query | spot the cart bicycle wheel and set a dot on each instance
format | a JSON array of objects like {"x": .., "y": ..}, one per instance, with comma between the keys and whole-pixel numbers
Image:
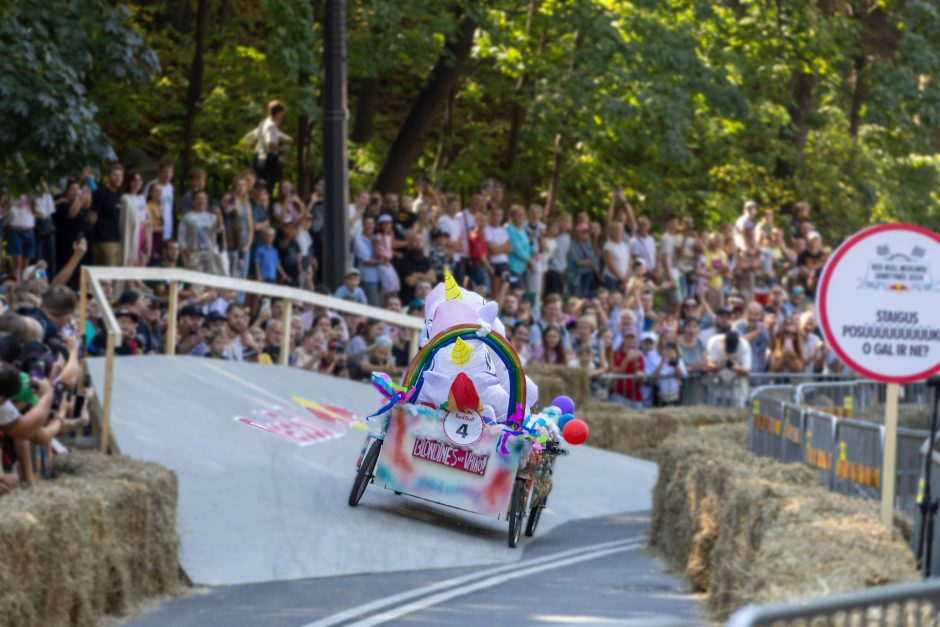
[
  {"x": 535, "y": 513},
  {"x": 516, "y": 512},
  {"x": 364, "y": 476}
]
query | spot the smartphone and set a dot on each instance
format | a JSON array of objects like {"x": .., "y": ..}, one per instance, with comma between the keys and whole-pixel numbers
[
  {"x": 266, "y": 303},
  {"x": 79, "y": 405}
]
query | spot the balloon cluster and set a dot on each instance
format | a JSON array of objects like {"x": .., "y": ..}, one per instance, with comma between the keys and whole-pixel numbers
[{"x": 574, "y": 430}]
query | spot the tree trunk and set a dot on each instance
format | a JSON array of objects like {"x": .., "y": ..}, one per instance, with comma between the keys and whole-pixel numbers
[
  {"x": 194, "y": 93},
  {"x": 558, "y": 147},
  {"x": 517, "y": 114},
  {"x": 802, "y": 95},
  {"x": 859, "y": 93},
  {"x": 367, "y": 100},
  {"x": 555, "y": 183},
  {"x": 407, "y": 146}
]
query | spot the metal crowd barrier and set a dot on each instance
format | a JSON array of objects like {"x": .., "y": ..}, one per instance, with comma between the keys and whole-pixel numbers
[
  {"x": 859, "y": 456},
  {"x": 864, "y": 400},
  {"x": 913, "y": 603},
  {"x": 819, "y": 437},
  {"x": 793, "y": 427},
  {"x": 829, "y": 437}
]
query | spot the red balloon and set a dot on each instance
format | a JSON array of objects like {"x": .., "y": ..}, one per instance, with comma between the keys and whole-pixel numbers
[{"x": 576, "y": 431}]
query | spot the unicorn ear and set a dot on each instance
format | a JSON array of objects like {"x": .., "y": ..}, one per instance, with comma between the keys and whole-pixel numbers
[
  {"x": 488, "y": 312},
  {"x": 451, "y": 290}
]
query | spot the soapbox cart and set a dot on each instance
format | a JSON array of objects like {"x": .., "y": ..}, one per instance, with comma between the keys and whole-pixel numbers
[{"x": 455, "y": 458}]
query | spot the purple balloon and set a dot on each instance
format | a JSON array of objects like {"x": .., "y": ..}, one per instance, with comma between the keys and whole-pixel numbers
[{"x": 564, "y": 403}]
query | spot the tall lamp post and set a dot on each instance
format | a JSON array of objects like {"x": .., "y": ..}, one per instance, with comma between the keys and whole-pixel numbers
[{"x": 335, "y": 160}]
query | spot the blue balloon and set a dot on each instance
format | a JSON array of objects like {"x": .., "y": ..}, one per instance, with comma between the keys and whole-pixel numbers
[
  {"x": 564, "y": 403},
  {"x": 564, "y": 420}
]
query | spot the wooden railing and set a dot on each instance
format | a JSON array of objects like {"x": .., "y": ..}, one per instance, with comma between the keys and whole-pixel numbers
[{"x": 92, "y": 276}]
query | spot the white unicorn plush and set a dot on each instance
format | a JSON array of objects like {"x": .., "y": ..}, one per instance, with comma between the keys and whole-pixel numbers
[{"x": 448, "y": 306}]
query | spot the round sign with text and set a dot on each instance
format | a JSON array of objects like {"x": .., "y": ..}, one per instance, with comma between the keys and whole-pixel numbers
[
  {"x": 878, "y": 303},
  {"x": 463, "y": 427}
]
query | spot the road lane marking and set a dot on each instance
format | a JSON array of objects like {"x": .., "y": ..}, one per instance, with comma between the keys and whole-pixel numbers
[
  {"x": 401, "y": 597},
  {"x": 436, "y": 599}
]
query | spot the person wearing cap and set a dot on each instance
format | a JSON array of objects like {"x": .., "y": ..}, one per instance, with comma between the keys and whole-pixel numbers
[
  {"x": 127, "y": 322},
  {"x": 191, "y": 331},
  {"x": 729, "y": 358},
  {"x": 350, "y": 289},
  {"x": 140, "y": 305},
  {"x": 383, "y": 252},
  {"x": 628, "y": 362},
  {"x": 582, "y": 263}
]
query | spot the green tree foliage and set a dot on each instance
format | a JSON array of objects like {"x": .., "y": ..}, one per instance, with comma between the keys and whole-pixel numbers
[
  {"x": 52, "y": 54},
  {"x": 693, "y": 105}
]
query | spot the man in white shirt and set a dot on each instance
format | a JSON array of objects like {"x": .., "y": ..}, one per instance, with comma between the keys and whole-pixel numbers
[
  {"x": 267, "y": 152},
  {"x": 643, "y": 246},
  {"x": 749, "y": 214},
  {"x": 457, "y": 224},
  {"x": 165, "y": 180},
  {"x": 729, "y": 357}
]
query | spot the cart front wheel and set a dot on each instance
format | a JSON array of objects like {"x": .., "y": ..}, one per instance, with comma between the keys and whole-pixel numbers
[
  {"x": 516, "y": 512},
  {"x": 364, "y": 476},
  {"x": 535, "y": 513}
]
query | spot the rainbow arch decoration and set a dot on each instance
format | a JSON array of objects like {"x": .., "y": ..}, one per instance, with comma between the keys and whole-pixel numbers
[{"x": 501, "y": 347}]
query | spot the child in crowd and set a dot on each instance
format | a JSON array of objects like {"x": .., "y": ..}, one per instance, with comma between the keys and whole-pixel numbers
[
  {"x": 350, "y": 289},
  {"x": 267, "y": 261}
]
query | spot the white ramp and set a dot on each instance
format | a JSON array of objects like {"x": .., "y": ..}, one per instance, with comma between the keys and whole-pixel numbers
[{"x": 255, "y": 507}]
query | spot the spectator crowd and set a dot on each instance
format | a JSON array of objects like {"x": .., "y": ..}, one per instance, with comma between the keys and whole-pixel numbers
[{"x": 657, "y": 310}]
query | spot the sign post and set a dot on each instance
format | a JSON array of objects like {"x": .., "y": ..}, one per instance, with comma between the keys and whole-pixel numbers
[{"x": 877, "y": 306}]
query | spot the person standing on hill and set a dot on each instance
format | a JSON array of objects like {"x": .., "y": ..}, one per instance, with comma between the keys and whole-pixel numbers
[
  {"x": 165, "y": 181},
  {"x": 267, "y": 138},
  {"x": 105, "y": 216}
]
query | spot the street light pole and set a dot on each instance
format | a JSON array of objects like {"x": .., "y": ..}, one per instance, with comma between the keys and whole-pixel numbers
[{"x": 335, "y": 168}]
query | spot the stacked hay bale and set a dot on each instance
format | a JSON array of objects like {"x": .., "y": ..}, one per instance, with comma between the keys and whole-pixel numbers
[
  {"x": 641, "y": 433},
  {"x": 747, "y": 529},
  {"x": 557, "y": 380},
  {"x": 95, "y": 541}
]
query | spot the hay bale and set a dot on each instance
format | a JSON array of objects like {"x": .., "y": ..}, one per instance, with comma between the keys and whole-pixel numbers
[
  {"x": 95, "y": 541},
  {"x": 640, "y": 433},
  {"x": 556, "y": 380},
  {"x": 753, "y": 530}
]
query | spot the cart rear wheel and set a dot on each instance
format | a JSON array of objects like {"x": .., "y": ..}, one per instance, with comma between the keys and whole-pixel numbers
[
  {"x": 535, "y": 513},
  {"x": 516, "y": 512},
  {"x": 364, "y": 476}
]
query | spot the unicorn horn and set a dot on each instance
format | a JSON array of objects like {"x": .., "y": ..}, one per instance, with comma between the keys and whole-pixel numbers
[
  {"x": 461, "y": 353},
  {"x": 451, "y": 289}
]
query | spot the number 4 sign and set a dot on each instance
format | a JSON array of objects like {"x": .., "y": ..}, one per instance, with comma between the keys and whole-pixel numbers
[{"x": 463, "y": 428}]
